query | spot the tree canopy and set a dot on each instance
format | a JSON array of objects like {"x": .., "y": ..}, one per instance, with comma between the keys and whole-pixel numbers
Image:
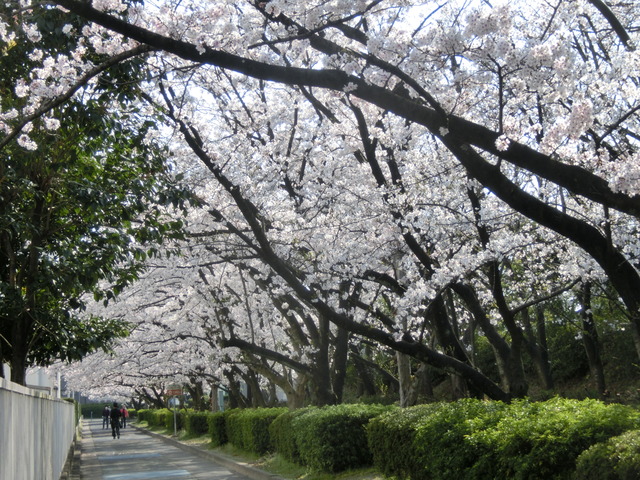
[{"x": 414, "y": 174}]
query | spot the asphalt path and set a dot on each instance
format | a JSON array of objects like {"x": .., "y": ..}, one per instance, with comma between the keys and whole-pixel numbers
[{"x": 137, "y": 455}]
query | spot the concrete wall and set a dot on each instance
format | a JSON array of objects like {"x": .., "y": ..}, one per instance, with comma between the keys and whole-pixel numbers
[{"x": 36, "y": 432}]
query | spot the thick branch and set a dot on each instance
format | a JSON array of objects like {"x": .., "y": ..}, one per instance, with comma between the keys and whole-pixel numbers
[{"x": 573, "y": 178}]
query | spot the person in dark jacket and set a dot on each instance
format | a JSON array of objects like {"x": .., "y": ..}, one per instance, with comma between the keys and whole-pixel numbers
[{"x": 115, "y": 420}]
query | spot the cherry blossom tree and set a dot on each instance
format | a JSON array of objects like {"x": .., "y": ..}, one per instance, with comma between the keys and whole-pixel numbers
[{"x": 406, "y": 172}]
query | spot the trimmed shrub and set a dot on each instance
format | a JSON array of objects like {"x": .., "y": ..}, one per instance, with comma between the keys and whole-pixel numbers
[
  {"x": 391, "y": 439},
  {"x": 217, "y": 428},
  {"x": 158, "y": 418},
  {"x": 196, "y": 423},
  {"x": 616, "y": 459},
  {"x": 282, "y": 436},
  {"x": 180, "y": 419},
  {"x": 143, "y": 415},
  {"x": 543, "y": 440},
  {"x": 334, "y": 438},
  {"x": 248, "y": 429},
  {"x": 441, "y": 449}
]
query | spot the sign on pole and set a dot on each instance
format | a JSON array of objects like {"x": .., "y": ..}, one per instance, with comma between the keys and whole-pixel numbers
[{"x": 173, "y": 390}]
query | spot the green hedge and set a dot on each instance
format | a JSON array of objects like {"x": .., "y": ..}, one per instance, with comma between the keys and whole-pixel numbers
[
  {"x": 248, "y": 429},
  {"x": 392, "y": 437},
  {"x": 473, "y": 439},
  {"x": 282, "y": 436},
  {"x": 334, "y": 438},
  {"x": 429, "y": 441},
  {"x": 158, "y": 417},
  {"x": 467, "y": 439},
  {"x": 143, "y": 414},
  {"x": 543, "y": 440},
  {"x": 216, "y": 423},
  {"x": 616, "y": 459},
  {"x": 196, "y": 423},
  {"x": 442, "y": 449}
]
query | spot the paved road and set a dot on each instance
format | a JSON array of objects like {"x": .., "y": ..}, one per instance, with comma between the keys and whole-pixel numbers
[{"x": 137, "y": 456}]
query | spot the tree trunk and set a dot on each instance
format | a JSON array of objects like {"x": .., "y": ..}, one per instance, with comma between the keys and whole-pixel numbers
[
  {"x": 404, "y": 378},
  {"x": 366, "y": 384},
  {"x": 19, "y": 350},
  {"x": 322, "y": 393},
  {"x": 537, "y": 347},
  {"x": 635, "y": 332},
  {"x": 545, "y": 364},
  {"x": 421, "y": 385},
  {"x": 518, "y": 385},
  {"x": 340, "y": 357},
  {"x": 590, "y": 340},
  {"x": 236, "y": 399},
  {"x": 214, "y": 400},
  {"x": 508, "y": 361},
  {"x": 297, "y": 396},
  {"x": 446, "y": 335}
]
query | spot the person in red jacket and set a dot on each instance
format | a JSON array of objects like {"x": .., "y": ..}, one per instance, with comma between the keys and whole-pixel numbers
[{"x": 124, "y": 416}]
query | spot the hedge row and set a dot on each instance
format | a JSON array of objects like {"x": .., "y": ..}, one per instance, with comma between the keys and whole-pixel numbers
[
  {"x": 471, "y": 439},
  {"x": 248, "y": 429},
  {"x": 163, "y": 417}
]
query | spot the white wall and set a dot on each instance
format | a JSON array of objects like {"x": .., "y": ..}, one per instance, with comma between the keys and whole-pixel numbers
[
  {"x": 36, "y": 432},
  {"x": 38, "y": 378}
]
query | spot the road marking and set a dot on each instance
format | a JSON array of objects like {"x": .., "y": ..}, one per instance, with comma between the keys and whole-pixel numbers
[
  {"x": 145, "y": 475},
  {"x": 129, "y": 456}
]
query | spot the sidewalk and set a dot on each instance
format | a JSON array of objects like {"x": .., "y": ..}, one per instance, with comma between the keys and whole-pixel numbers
[{"x": 139, "y": 454}]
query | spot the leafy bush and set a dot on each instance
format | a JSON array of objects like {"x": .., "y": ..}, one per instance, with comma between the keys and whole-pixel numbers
[
  {"x": 616, "y": 459},
  {"x": 282, "y": 435},
  {"x": 196, "y": 423},
  {"x": 441, "y": 449},
  {"x": 248, "y": 429},
  {"x": 543, "y": 440},
  {"x": 158, "y": 417},
  {"x": 180, "y": 419},
  {"x": 143, "y": 415},
  {"x": 334, "y": 438},
  {"x": 391, "y": 439},
  {"x": 217, "y": 428}
]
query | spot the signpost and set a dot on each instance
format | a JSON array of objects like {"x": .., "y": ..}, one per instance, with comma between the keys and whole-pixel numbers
[{"x": 174, "y": 391}]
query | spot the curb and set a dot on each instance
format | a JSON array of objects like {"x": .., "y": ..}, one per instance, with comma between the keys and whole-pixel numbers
[{"x": 236, "y": 466}]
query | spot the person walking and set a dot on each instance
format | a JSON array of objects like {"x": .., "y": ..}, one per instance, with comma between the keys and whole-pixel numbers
[
  {"x": 115, "y": 420},
  {"x": 106, "y": 415},
  {"x": 125, "y": 416}
]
